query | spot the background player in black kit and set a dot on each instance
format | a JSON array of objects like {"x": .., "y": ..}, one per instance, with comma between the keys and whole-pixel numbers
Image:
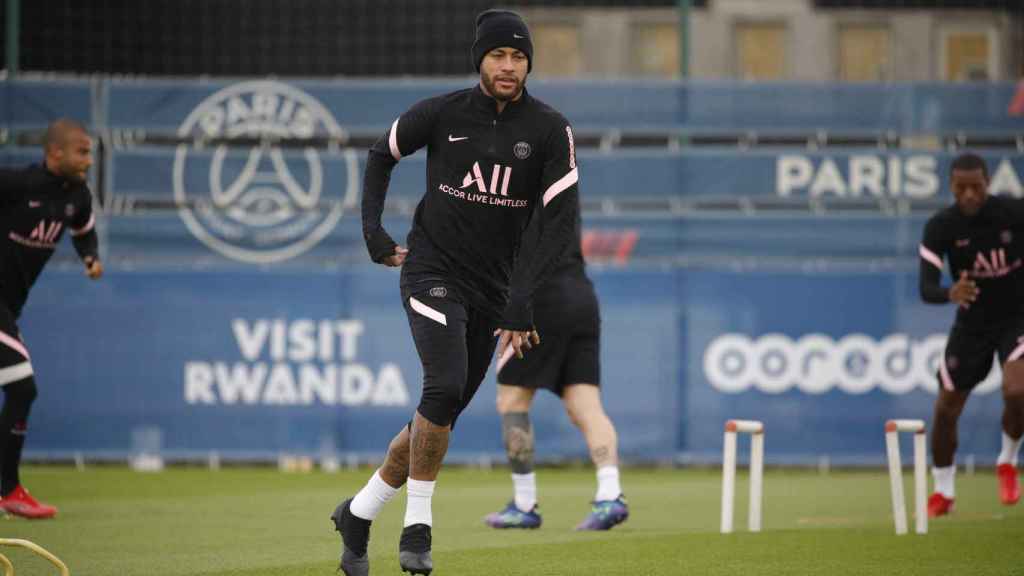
[
  {"x": 568, "y": 364},
  {"x": 982, "y": 238},
  {"x": 39, "y": 203},
  {"x": 495, "y": 154}
]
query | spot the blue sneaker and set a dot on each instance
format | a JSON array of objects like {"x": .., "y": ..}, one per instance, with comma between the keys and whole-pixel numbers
[
  {"x": 512, "y": 517},
  {"x": 605, "y": 514}
]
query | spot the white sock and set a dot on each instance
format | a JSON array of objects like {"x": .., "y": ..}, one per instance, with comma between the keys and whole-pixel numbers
[
  {"x": 417, "y": 507},
  {"x": 608, "y": 487},
  {"x": 1008, "y": 455},
  {"x": 525, "y": 490},
  {"x": 944, "y": 478},
  {"x": 369, "y": 501}
]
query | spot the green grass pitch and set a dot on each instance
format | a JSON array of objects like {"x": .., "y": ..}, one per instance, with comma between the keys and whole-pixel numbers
[{"x": 260, "y": 522}]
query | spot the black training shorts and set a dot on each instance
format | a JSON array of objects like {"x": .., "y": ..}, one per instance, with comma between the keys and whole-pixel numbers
[
  {"x": 969, "y": 351},
  {"x": 568, "y": 319},
  {"x": 455, "y": 342}
]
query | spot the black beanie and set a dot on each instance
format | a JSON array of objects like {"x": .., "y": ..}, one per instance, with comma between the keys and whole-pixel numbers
[{"x": 496, "y": 28}]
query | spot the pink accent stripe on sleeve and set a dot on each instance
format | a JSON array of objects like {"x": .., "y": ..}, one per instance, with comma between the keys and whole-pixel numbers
[
  {"x": 1017, "y": 353},
  {"x": 563, "y": 183},
  {"x": 14, "y": 343},
  {"x": 393, "y": 141},
  {"x": 930, "y": 256},
  {"x": 84, "y": 229}
]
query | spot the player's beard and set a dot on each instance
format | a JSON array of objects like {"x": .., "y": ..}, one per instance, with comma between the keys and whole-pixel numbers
[
  {"x": 490, "y": 82},
  {"x": 74, "y": 174}
]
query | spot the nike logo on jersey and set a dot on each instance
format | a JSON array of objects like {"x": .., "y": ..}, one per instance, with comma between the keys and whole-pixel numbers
[
  {"x": 454, "y": 139},
  {"x": 962, "y": 243},
  {"x": 34, "y": 204}
]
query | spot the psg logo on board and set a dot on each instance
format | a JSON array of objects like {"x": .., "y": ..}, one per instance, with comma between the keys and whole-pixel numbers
[{"x": 254, "y": 200}]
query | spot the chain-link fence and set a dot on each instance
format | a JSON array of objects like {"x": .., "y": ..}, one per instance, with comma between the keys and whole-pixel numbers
[{"x": 261, "y": 37}]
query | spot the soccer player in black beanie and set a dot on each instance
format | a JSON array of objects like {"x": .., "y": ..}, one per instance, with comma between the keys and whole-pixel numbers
[
  {"x": 496, "y": 28},
  {"x": 496, "y": 157}
]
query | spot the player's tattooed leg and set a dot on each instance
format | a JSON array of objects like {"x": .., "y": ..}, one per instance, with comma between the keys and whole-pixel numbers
[
  {"x": 395, "y": 468},
  {"x": 518, "y": 436},
  {"x": 428, "y": 445},
  {"x": 602, "y": 456}
]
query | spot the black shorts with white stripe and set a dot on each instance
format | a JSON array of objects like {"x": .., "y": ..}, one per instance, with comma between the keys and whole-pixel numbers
[
  {"x": 969, "y": 351},
  {"x": 15, "y": 363},
  {"x": 455, "y": 342}
]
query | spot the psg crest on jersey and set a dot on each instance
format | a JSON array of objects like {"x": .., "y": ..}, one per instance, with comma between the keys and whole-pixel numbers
[
  {"x": 521, "y": 150},
  {"x": 247, "y": 196},
  {"x": 1006, "y": 236}
]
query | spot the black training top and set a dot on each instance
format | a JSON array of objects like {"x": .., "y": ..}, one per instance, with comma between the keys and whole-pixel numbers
[
  {"x": 37, "y": 206},
  {"x": 989, "y": 246},
  {"x": 486, "y": 174}
]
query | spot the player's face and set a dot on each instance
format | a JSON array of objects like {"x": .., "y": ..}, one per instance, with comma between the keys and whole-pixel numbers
[
  {"x": 75, "y": 157},
  {"x": 503, "y": 73},
  {"x": 970, "y": 188}
]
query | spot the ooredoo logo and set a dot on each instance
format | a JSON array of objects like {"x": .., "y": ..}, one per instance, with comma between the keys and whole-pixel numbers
[
  {"x": 260, "y": 203},
  {"x": 815, "y": 364}
]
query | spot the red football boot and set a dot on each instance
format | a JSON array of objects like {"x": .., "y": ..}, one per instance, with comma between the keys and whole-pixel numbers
[
  {"x": 20, "y": 503},
  {"x": 939, "y": 505},
  {"x": 1009, "y": 488}
]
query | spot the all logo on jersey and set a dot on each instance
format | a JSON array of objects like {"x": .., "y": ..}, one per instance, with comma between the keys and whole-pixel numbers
[
  {"x": 993, "y": 264},
  {"x": 46, "y": 232},
  {"x": 259, "y": 202},
  {"x": 476, "y": 176},
  {"x": 522, "y": 150},
  {"x": 486, "y": 187}
]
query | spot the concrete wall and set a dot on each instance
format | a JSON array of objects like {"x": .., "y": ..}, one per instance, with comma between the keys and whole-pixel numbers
[{"x": 812, "y": 38}]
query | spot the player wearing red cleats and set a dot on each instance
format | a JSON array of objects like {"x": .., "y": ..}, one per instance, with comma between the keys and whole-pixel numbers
[
  {"x": 939, "y": 505},
  {"x": 1009, "y": 488},
  {"x": 20, "y": 503}
]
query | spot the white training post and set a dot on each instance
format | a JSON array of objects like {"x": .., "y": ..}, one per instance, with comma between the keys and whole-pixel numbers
[
  {"x": 728, "y": 479},
  {"x": 920, "y": 481},
  {"x": 756, "y": 430},
  {"x": 756, "y": 476},
  {"x": 892, "y": 446}
]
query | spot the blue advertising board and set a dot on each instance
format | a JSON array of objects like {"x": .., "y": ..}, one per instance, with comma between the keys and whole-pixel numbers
[{"x": 262, "y": 362}]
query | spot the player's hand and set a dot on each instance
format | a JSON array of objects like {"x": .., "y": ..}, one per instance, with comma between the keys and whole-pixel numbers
[
  {"x": 519, "y": 340},
  {"x": 965, "y": 291},
  {"x": 93, "y": 267},
  {"x": 398, "y": 258}
]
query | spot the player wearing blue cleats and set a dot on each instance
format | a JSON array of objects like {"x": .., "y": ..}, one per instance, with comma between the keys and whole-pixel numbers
[
  {"x": 512, "y": 517},
  {"x": 605, "y": 514}
]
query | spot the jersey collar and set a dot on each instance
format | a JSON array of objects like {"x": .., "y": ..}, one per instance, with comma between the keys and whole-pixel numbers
[
  {"x": 487, "y": 103},
  {"x": 54, "y": 178}
]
